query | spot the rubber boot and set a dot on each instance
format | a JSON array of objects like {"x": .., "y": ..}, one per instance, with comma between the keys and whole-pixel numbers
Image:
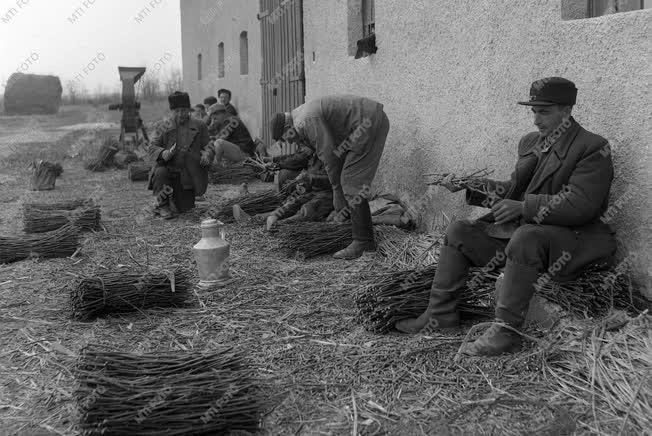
[
  {"x": 362, "y": 230},
  {"x": 442, "y": 313},
  {"x": 512, "y": 301}
]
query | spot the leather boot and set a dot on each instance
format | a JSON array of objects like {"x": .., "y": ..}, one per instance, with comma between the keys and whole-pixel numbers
[
  {"x": 512, "y": 301},
  {"x": 362, "y": 231},
  {"x": 442, "y": 313}
]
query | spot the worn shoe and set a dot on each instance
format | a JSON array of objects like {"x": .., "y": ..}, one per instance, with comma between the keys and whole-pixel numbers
[
  {"x": 355, "y": 250},
  {"x": 166, "y": 213},
  {"x": 427, "y": 323},
  {"x": 495, "y": 341}
]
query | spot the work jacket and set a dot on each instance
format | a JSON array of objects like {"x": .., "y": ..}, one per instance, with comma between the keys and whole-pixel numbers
[{"x": 189, "y": 151}]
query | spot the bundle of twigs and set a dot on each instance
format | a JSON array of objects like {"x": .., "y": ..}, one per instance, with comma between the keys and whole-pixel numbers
[
  {"x": 389, "y": 296},
  {"x": 123, "y": 291},
  {"x": 61, "y": 205},
  {"x": 264, "y": 172},
  {"x": 139, "y": 172},
  {"x": 605, "y": 370},
  {"x": 253, "y": 203},
  {"x": 58, "y": 243},
  {"x": 165, "y": 393},
  {"x": 474, "y": 181},
  {"x": 40, "y": 221},
  {"x": 594, "y": 293},
  {"x": 104, "y": 157},
  {"x": 232, "y": 174},
  {"x": 44, "y": 175},
  {"x": 309, "y": 239},
  {"x": 405, "y": 250}
]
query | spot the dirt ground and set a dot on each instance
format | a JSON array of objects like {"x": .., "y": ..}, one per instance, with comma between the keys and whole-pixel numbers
[{"x": 320, "y": 371}]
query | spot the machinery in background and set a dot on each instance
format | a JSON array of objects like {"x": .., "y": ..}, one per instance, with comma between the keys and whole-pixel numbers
[{"x": 131, "y": 124}]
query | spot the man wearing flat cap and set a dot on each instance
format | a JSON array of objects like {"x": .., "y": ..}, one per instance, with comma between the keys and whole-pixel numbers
[
  {"x": 544, "y": 220},
  {"x": 181, "y": 154},
  {"x": 348, "y": 135}
]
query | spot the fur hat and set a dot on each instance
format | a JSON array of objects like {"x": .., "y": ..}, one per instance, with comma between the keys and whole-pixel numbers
[{"x": 179, "y": 100}]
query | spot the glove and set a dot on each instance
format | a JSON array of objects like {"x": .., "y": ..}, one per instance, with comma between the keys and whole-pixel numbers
[{"x": 339, "y": 201}]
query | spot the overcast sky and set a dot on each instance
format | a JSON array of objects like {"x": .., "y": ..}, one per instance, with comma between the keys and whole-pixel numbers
[{"x": 86, "y": 40}]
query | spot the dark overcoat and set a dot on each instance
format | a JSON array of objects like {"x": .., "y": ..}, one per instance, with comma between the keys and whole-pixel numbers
[
  {"x": 188, "y": 154},
  {"x": 567, "y": 190}
]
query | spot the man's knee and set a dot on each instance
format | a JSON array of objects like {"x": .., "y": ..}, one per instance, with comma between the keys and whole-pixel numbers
[
  {"x": 459, "y": 232},
  {"x": 160, "y": 176},
  {"x": 528, "y": 245}
]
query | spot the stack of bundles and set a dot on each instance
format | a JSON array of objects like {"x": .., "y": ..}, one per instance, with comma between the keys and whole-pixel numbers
[
  {"x": 38, "y": 221},
  {"x": 389, "y": 296},
  {"x": 397, "y": 295},
  {"x": 139, "y": 172},
  {"x": 122, "y": 291},
  {"x": 27, "y": 94},
  {"x": 61, "y": 205},
  {"x": 604, "y": 370},
  {"x": 104, "y": 157},
  {"x": 44, "y": 174},
  {"x": 232, "y": 174},
  {"x": 165, "y": 393},
  {"x": 62, "y": 242}
]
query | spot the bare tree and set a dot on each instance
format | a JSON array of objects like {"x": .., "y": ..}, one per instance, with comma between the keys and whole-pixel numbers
[
  {"x": 150, "y": 85},
  {"x": 72, "y": 91},
  {"x": 173, "y": 81}
]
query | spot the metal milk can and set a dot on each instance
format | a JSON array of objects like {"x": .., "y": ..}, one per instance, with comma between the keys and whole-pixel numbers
[{"x": 212, "y": 254}]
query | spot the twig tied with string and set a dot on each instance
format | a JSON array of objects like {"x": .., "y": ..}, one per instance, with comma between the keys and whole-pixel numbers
[
  {"x": 171, "y": 393},
  {"x": 128, "y": 291},
  {"x": 62, "y": 242},
  {"x": 475, "y": 181}
]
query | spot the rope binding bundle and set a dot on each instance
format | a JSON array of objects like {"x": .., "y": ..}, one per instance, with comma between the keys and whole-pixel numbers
[
  {"x": 171, "y": 392},
  {"x": 126, "y": 291},
  {"x": 62, "y": 242}
]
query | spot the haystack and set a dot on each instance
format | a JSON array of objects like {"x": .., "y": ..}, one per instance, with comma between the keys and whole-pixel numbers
[{"x": 32, "y": 94}]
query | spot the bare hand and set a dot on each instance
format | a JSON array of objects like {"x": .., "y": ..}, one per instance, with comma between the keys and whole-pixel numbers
[
  {"x": 167, "y": 154},
  {"x": 268, "y": 159},
  {"x": 448, "y": 183},
  {"x": 271, "y": 222},
  {"x": 204, "y": 161},
  {"x": 507, "y": 210}
]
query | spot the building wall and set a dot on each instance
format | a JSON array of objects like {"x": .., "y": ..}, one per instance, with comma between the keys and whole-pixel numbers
[
  {"x": 449, "y": 73},
  {"x": 206, "y": 23}
]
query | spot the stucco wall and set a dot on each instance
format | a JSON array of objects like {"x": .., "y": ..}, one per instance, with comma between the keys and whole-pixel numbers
[
  {"x": 449, "y": 73},
  {"x": 206, "y": 23}
]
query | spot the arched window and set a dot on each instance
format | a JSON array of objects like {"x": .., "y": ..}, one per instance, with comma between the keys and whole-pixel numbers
[
  {"x": 199, "y": 66},
  {"x": 220, "y": 59},
  {"x": 244, "y": 53}
]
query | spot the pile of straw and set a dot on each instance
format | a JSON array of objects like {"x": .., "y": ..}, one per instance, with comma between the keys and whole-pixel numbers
[
  {"x": 44, "y": 175},
  {"x": 124, "y": 291},
  {"x": 606, "y": 371},
  {"x": 62, "y": 242},
  {"x": 39, "y": 221},
  {"x": 165, "y": 393},
  {"x": 389, "y": 296}
]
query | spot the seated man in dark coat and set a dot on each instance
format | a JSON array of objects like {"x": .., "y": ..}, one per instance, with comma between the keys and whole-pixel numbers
[
  {"x": 232, "y": 140},
  {"x": 181, "y": 153},
  {"x": 546, "y": 218}
]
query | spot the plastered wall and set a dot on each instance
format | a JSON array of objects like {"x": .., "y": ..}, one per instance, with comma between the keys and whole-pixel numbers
[
  {"x": 449, "y": 73},
  {"x": 206, "y": 23}
]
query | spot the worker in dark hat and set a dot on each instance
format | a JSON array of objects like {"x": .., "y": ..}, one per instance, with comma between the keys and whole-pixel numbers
[
  {"x": 224, "y": 96},
  {"x": 231, "y": 138},
  {"x": 348, "y": 135},
  {"x": 544, "y": 220},
  {"x": 181, "y": 152}
]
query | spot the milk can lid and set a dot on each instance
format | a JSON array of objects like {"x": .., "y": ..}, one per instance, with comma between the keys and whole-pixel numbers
[{"x": 209, "y": 223}]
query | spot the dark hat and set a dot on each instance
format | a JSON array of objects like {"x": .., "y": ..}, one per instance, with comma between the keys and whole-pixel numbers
[
  {"x": 179, "y": 100},
  {"x": 278, "y": 126},
  {"x": 550, "y": 91},
  {"x": 200, "y": 107},
  {"x": 224, "y": 91},
  {"x": 210, "y": 100}
]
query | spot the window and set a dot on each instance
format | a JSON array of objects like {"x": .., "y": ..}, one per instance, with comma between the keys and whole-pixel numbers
[
  {"x": 244, "y": 53},
  {"x": 199, "y": 66},
  {"x": 577, "y": 9},
  {"x": 368, "y": 17},
  {"x": 220, "y": 59}
]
